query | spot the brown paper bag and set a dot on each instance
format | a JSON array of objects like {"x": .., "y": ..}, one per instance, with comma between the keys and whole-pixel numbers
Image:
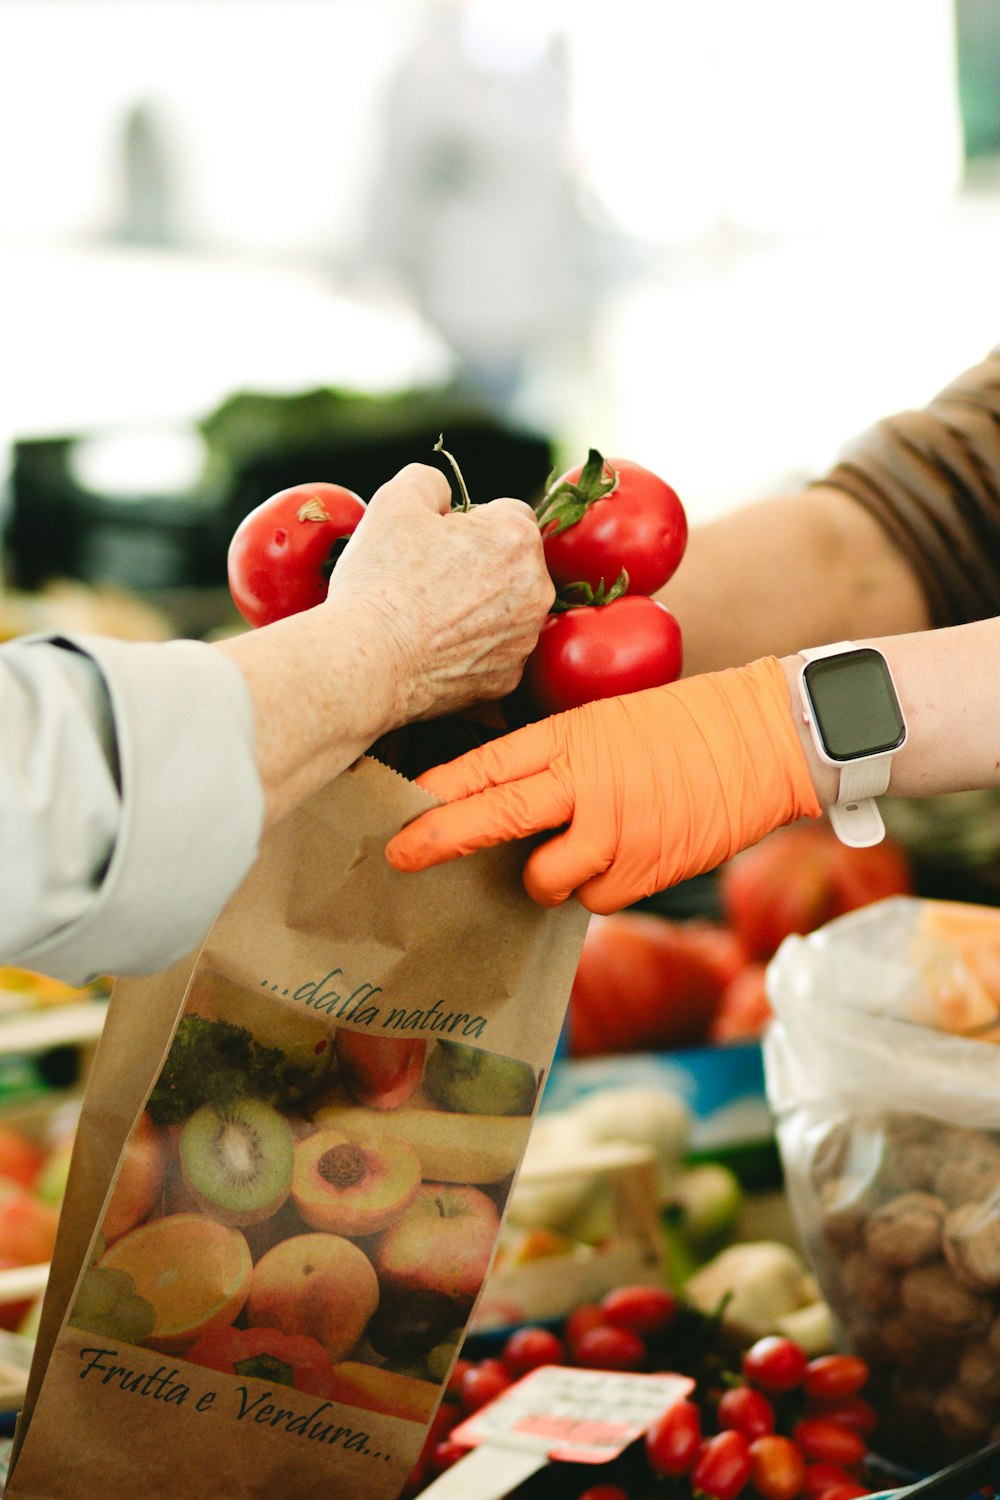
[{"x": 291, "y": 1166}]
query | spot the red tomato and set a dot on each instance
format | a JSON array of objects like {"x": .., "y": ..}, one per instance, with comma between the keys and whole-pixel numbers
[
  {"x": 603, "y": 1492},
  {"x": 581, "y": 1320},
  {"x": 610, "y": 514},
  {"x": 822, "y": 1477},
  {"x": 778, "y": 1467},
  {"x": 775, "y": 1364},
  {"x": 832, "y": 1377},
  {"x": 458, "y": 1369},
  {"x": 643, "y": 1309},
  {"x": 746, "y": 1410},
  {"x": 851, "y": 1490},
  {"x": 483, "y": 1383},
  {"x": 852, "y": 1411},
  {"x": 599, "y": 651},
  {"x": 673, "y": 1441},
  {"x": 830, "y": 1442},
  {"x": 610, "y": 1349},
  {"x": 282, "y": 554},
  {"x": 644, "y": 982},
  {"x": 723, "y": 1466},
  {"x": 529, "y": 1348},
  {"x": 798, "y": 878}
]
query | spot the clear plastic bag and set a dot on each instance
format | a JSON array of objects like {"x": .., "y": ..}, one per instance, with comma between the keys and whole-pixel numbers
[{"x": 883, "y": 1076}]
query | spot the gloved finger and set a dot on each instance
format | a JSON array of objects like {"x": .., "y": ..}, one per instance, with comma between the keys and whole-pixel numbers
[
  {"x": 557, "y": 868},
  {"x": 522, "y": 753},
  {"x": 477, "y": 822},
  {"x": 611, "y": 890}
]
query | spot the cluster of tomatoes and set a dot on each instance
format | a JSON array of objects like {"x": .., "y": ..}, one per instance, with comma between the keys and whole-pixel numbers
[
  {"x": 613, "y": 534},
  {"x": 771, "y": 1425}
]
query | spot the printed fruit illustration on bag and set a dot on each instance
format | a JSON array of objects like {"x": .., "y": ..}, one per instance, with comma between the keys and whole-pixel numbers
[{"x": 309, "y": 1204}]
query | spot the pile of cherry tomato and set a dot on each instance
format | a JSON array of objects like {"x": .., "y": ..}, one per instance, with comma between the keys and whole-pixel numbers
[{"x": 771, "y": 1424}]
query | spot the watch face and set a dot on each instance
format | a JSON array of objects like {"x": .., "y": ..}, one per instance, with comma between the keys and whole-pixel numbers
[{"x": 854, "y": 704}]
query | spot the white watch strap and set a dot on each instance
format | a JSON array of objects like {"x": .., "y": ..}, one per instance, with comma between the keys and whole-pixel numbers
[{"x": 855, "y": 817}]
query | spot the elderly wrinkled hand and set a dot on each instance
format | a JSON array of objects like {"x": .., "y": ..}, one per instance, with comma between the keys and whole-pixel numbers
[{"x": 460, "y": 596}]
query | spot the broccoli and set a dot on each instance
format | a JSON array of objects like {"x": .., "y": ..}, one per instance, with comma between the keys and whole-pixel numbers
[{"x": 217, "y": 1062}]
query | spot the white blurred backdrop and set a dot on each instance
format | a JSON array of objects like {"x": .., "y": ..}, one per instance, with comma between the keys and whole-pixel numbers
[{"x": 717, "y": 237}]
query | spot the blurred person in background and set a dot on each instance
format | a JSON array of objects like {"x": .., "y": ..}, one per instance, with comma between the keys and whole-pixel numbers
[
  {"x": 898, "y": 547},
  {"x": 136, "y": 779},
  {"x": 475, "y": 208}
]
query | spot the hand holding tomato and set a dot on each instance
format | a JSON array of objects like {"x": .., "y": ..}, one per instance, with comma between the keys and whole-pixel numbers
[
  {"x": 446, "y": 605},
  {"x": 456, "y": 597}
]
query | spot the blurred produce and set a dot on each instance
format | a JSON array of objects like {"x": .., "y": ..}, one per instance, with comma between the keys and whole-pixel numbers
[
  {"x": 35, "y": 1148},
  {"x": 70, "y": 606},
  {"x": 758, "y": 1285},
  {"x": 23, "y": 989},
  {"x": 801, "y": 877},
  {"x": 645, "y": 981},
  {"x": 649, "y": 981}
]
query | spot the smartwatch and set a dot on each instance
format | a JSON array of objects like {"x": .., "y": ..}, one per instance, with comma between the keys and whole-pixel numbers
[{"x": 850, "y": 703}]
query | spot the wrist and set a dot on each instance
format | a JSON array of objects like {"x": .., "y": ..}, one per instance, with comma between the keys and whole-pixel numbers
[{"x": 825, "y": 778}]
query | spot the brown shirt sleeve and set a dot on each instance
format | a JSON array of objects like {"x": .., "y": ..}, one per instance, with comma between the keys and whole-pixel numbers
[{"x": 932, "y": 478}]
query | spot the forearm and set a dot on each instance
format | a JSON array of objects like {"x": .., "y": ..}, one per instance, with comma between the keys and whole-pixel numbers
[
  {"x": 322, "y": 690},
  {"x": 946, "y": 681},
  {"x": 796, "y": 570}
]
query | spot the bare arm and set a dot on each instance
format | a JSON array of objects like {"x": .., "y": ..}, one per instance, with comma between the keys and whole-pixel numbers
[
  {"x": 903, "y": 533},
  {"x": 946, "y": 680},
  {"x": 796, "y": 570}
]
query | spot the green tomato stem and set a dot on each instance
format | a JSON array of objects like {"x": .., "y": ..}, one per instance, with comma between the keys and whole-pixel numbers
[{"x": 440, "y": 448}]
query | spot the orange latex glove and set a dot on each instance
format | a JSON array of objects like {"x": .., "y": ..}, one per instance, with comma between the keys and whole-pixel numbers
[{"x": 646, "y": 789}]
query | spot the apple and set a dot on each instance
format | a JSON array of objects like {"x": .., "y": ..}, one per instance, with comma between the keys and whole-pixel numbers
[
  {"x": 442, "y": 1243},
  {"x": 473, "y": 1082}
]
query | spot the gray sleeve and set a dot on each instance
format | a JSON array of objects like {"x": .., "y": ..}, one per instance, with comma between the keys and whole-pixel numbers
[{"x": 130, "y": 803}]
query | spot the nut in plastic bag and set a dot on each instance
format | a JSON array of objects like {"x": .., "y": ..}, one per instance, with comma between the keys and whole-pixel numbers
[{"x": 884, "y": 1079}]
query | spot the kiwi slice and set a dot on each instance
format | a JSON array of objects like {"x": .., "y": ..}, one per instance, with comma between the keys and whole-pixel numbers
[{"x": 237, "y": 1160}]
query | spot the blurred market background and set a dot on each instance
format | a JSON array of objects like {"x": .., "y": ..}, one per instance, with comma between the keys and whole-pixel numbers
[{"x": 249, "y": 242}]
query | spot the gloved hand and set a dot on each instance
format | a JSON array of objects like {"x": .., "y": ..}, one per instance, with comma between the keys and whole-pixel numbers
[{"x": 646, "y": 789}]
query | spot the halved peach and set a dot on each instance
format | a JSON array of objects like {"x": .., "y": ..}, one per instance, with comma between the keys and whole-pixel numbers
[{"x": 352, "y": 1187}]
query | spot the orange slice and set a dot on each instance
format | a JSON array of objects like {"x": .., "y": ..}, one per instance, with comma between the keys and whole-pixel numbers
[{"x": 194, "y": 1271}]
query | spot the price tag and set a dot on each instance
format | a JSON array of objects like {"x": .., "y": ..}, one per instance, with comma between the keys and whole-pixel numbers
[{"x": 557, "y": 1414}]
